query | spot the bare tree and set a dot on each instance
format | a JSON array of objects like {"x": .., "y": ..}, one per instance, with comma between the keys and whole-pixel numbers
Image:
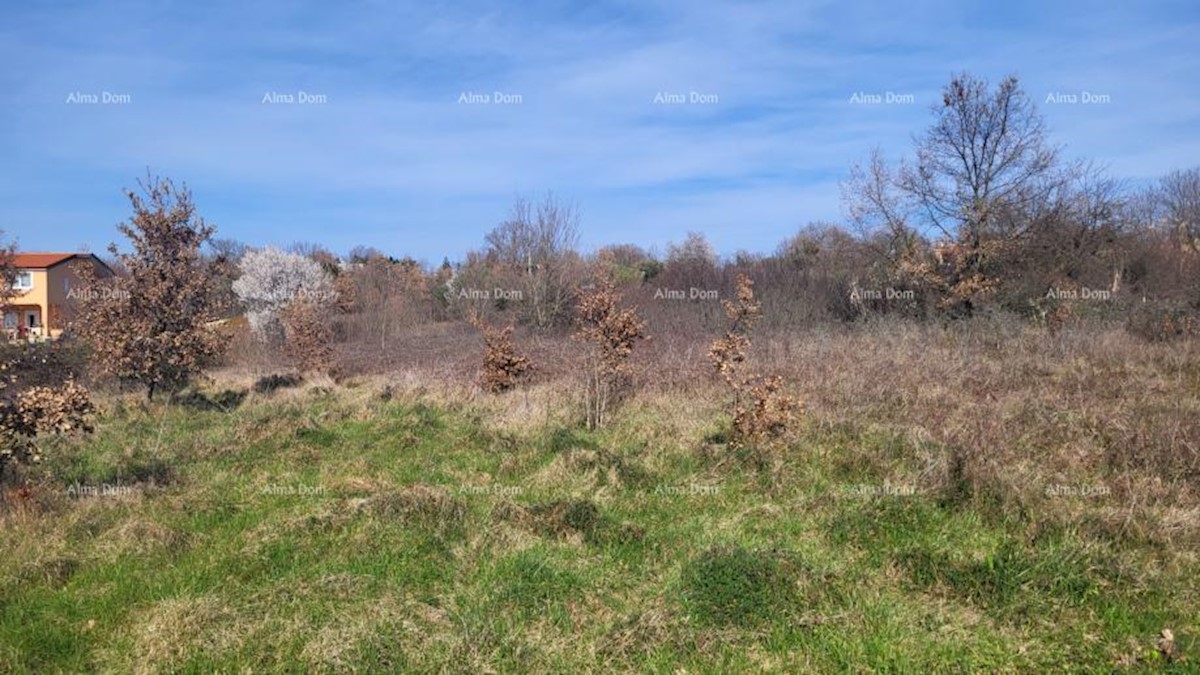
[
  {"x": 986, "y": 151},
  {"x": 879, "y": 211},
  {"x": 1179, "y": 193},
  {"x": 223, "y": 256},
  {"x": 695, "y": 249},
  {"x": 981, "y": 174},
  {"x": 540, "y": 241},
  {"x": 387, "y": 295}
]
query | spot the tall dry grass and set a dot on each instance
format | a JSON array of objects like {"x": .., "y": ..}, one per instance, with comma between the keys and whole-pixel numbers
[{"x": 1001, "y": 409}]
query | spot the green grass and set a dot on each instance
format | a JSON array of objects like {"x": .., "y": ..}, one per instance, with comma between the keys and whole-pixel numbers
[{"x": 330, "y": 535}]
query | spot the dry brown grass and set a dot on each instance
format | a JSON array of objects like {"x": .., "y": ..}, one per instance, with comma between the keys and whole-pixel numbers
[{"x": 1017, "y": 408}]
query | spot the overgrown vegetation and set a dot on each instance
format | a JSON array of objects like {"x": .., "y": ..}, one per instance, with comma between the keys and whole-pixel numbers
[
  {"x": 342, "y": 532},
  {"x": 504, "y": 367},
  {"x": 609, "y": 334},
  {"x": 307, "y": 337},
  {"x": 997, "y": 469},
  {"x": 760, "y": 409}
]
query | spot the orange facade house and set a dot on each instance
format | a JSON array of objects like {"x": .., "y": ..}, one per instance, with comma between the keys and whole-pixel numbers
[{"x": 44, "y": 290}]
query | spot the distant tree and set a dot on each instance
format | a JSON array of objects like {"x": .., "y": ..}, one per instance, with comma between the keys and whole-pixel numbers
[
  {"x": 386, "y": 291},
  {"x": 1160, "y": 255},
  {"x": 539, "y": 242},
  {"x": 271, "y": 279},
  {"x": 154, "y": 325},
  {"x": 818, "y": 245},
  {"x": 625, "y": 263},
  {"x": 361, "y": 254},
  {"x": 1075, "y": 236},
  {"x": 979, "y": 174},
  {"x": 880, "y": 211},
  {"x": 222, "y": 257},
  {"x": 693, "y": 250},
  {"x": 323, "y": 256},
  {"x": 1179, "y": 193},
  {"x": 230, "y": 250},
  {"x": 692, "y": 263}
]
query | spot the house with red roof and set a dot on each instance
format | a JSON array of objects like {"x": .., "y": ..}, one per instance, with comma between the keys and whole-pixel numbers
[{"x": 45, "y": 289}]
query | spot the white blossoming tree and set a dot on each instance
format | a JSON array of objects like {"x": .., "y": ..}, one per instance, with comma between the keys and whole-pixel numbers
[{"x": 271, "y": 280}]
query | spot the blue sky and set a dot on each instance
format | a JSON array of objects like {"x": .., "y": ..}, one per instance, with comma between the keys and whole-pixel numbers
[{"x": 391, "y": 157}]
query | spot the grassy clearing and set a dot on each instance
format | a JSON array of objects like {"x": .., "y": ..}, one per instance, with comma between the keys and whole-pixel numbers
[{"x": 330, "y": 531}]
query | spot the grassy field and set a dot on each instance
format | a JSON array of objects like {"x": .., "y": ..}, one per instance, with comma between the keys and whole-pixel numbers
[{"x": 362, "y": 528}]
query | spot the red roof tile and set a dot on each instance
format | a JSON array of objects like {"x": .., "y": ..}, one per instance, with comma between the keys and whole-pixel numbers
[{"x": 42, "y": 260}]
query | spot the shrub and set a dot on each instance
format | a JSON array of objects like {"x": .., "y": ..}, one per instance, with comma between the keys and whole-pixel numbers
[
  {"x": 760, "y": 408},
  {"x": 610, "y": 334},
  {"x": 26, "y": 414},
  {"x": 503, "y": 365},
  {"x": 765, "y": 411},
  {"x": 45, "y": 364},
  {"x": 1163, "y": 324},
  {"x": 308, "y": 338},
  {"x": 269, "y": 383}
]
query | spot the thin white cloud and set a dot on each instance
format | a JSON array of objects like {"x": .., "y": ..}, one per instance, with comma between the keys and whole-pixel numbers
[{"x": 392, "y": 143}]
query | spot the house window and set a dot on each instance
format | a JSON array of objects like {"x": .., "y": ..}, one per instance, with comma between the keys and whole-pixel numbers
[
  {"x": 23, "y": 281},
  {"x": 10, "y": 320}
]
